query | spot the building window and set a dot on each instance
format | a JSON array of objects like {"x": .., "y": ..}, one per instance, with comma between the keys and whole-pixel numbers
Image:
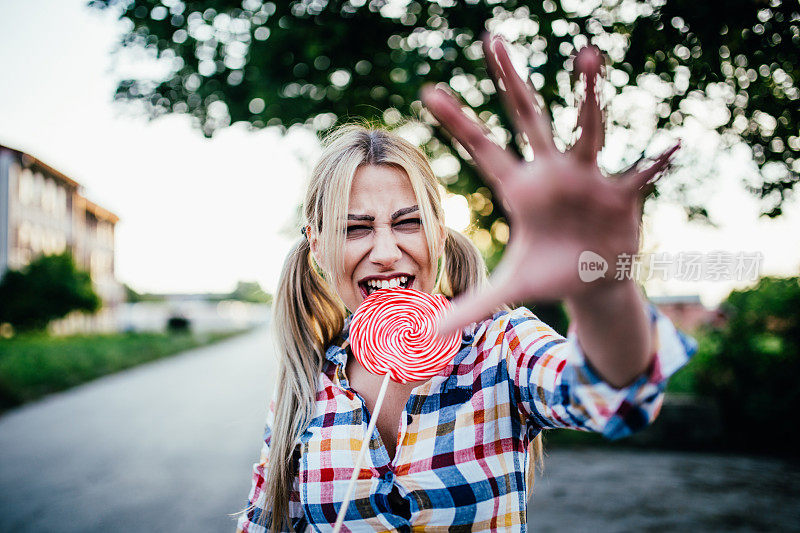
[
  {"x": 61, "y": 202},
  {"x": 24, "y": 235},
  {"x": 54, "y": 242},
  {"x": 91, "y": 223},
  {"x": 105, "y": 234},
  {"x": 25, "y": 190},
  {"x": 38, "y": 189},
  {"x": 36, "y": 239},
  {"x": 49, "y": 196}
]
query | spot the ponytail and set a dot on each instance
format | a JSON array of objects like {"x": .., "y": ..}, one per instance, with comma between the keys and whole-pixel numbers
[
  {"x": 307, "y": 317},
  {"x": 464, "y": 267}
]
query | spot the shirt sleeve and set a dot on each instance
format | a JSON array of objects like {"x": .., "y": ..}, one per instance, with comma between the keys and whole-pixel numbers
[
  {"x": 254, "y": 518},
  {"x": 557, "y": 387}
]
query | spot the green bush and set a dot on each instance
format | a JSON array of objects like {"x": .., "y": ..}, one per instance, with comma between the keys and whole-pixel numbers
[
  {"x": 48, "y": 288},
  {"x": 751, "y": 367}
]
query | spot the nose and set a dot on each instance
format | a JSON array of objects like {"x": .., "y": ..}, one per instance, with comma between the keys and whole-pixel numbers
[{"x": 385, "y": 251}]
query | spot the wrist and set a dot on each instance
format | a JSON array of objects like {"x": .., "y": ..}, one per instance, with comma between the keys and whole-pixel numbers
[
  {"x": 604, "y": 294},
  {"x": 614, "y": 331}
]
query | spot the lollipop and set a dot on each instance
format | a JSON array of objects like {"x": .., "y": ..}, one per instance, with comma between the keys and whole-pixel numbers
[{"x": 393, "y": 333}]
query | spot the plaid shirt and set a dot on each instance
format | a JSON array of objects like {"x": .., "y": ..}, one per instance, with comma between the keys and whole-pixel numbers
[{"x": 462, "y": 454}]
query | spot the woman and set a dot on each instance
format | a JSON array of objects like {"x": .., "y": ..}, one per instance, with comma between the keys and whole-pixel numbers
[{"x": 455, "y": 451}]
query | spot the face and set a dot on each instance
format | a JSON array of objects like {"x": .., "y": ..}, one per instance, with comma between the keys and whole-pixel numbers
[{"x": 385, "y": 242}]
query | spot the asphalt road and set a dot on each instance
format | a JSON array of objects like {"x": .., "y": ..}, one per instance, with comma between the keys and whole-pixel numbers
[
  {"x": 169, "y": 446},
  {"x": 652, "y": 491}
]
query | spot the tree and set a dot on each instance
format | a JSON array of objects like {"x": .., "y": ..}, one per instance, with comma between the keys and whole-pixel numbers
[
  {"x": 317, "y": 62},
  {"x": 132, "y": 297},
  {"x": 751, "y": 366},
  {"x": 250, "y": 291},
  {"x": 743, "y": 50},
  {"x": 47, "y": 288}
]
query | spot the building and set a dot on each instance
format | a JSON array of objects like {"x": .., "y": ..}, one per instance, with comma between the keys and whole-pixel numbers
[
  {"x": 687, "y": 312},
  {"x": 42, "y": 211}
]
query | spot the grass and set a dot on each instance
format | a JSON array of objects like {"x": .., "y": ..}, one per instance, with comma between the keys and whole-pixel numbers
[{"x": 34, "y": 365}]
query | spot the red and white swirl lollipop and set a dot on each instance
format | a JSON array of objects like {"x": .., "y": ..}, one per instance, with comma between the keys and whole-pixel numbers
[{"x": 394, "y": 332}]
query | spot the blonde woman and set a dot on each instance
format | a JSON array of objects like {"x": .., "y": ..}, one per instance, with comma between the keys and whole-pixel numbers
[{"x": 456, "y": 451}]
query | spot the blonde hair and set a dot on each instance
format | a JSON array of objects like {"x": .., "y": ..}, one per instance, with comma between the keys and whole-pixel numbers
[{"x": 309, "y": 314}]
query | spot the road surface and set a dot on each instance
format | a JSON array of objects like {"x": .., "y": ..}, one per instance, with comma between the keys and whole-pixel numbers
[{"x": 169, "y": 446}]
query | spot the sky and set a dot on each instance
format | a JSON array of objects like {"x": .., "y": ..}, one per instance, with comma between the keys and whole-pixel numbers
[{"x": 197, "y": 214}]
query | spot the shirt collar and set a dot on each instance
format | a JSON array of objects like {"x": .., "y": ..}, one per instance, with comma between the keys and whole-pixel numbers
[{"x": 335, "y": 353}]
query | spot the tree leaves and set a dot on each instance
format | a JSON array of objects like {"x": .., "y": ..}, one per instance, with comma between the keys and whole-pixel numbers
[
  {"x": 47, "y": 288},
  {"x": 320, "y": 62}
]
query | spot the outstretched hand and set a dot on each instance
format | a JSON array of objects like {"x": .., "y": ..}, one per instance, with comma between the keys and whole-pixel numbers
[{"x": 559, "y": 204}]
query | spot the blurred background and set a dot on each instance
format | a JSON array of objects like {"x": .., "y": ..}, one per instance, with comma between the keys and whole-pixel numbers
[{"x": 153, "y": 156}]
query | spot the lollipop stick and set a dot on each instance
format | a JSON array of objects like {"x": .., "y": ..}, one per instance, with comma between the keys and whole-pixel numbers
[{"x": 364, "y": 445}]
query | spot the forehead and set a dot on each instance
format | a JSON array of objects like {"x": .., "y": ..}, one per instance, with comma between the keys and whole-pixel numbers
[{"x": 380, "y": 188}]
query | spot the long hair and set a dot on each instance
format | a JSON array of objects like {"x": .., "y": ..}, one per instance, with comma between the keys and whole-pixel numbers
[{"x": 308, "y": 313}]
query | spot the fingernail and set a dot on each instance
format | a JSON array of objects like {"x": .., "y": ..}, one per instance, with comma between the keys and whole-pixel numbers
[
  {"x": 430, "y": 92},
  {"x": 673, "y": 152},
  {"x": 498, "y": 40}
]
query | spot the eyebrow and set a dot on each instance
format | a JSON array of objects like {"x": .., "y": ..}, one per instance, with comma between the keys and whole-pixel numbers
[{"x": 396, "y": 214}]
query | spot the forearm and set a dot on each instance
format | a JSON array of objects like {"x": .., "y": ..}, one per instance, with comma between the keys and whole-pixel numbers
[{"x": 614, "y": 331}]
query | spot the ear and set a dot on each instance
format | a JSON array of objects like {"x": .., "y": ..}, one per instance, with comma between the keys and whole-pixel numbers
[{"x": 313, "y": 243}]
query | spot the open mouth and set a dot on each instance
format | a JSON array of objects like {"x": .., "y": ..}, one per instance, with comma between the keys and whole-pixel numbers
[{"x": 370, "y": 286}]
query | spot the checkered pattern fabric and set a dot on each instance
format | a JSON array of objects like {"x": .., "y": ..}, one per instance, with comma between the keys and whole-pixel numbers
[{"x": 462, "y": 454}]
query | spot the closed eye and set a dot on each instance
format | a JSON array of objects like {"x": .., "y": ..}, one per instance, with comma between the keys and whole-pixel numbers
[
  {"x": 409, "y": 224},
  {"x": 357, "y": 231}
]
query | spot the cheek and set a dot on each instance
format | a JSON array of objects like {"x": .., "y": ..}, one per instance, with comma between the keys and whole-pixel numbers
[
  {"x": 419, "y": 249},
  {"x": 352, "y": 255}
]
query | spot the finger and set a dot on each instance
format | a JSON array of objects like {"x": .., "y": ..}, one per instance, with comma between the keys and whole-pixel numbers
[
  {"x": 476, "y": 305},
  {"x": 495, "y": 163},
  {"x": 472, "y": 307},
  {"x": 520, "y": 99},
  {"x": 588, "y": 63},
  {"x": 640, "y": 179}
]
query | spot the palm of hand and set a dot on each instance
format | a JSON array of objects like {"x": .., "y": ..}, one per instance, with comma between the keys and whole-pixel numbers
[
  {"x": 558, "y": 209},
  {"x": 558, "y": 205}
]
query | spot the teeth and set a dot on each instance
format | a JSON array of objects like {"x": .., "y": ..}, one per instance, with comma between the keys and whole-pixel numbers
[{"x": 386, "y": 284}]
